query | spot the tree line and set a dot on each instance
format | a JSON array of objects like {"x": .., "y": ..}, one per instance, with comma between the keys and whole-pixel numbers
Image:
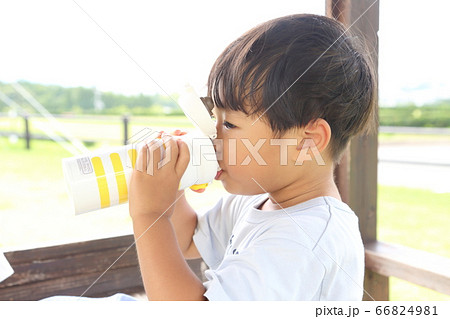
[
  {"x": 81, "y": 100},
  {"x": 435, "y": 114}
]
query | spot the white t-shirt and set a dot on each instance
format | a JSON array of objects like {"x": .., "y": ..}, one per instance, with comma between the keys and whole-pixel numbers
[{"x": 310, "y": 251}]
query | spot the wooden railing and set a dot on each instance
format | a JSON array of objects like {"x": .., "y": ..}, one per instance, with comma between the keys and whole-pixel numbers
[
  {"x": 110, "y": 265},
  {"x": 28, "y": 136},
  {"x": 416, "y": 266},
  {"x": 71, "y": 269}
]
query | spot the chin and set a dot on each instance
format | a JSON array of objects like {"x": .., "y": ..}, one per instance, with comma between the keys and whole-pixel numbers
[{"x": 241, "y": 189}]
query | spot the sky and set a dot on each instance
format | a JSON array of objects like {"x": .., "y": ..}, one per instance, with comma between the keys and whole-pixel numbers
[{"x": 134, "y": 47}]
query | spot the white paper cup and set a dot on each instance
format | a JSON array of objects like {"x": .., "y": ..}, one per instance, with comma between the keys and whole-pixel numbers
[{"x": 100, "y": 179}]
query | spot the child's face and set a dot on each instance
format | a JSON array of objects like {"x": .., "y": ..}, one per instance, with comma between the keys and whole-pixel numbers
[{"x": 250, "y": 155}]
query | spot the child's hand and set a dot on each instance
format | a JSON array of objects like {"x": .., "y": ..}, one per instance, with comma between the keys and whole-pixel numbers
[
  {"x": 198, "y": 188},
  {"x": 155, "y": 181},
  {"x": 177, "y": 133}
]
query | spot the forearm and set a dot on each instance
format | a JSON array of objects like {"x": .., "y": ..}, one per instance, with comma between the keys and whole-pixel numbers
[
  {"x": 165, "y": 273},
  {"x": 184, "y": 221}
]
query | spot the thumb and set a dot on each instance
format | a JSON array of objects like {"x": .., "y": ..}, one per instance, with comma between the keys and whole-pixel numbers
[{"x": 183, "y": 158}]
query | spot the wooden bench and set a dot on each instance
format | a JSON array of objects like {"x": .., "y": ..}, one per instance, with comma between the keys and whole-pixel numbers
[{"x": 72, "y": 268}]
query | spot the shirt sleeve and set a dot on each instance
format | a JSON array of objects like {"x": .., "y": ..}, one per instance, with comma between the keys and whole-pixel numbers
[
  {"x": 272, "y": 269},
  {"x": 214, "y": 229}
]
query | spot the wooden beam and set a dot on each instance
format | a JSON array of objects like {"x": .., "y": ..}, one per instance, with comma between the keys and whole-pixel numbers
[
  {"x": 364, "y": 153},
  {"x": 416, "y": 266},
  {"x": 71, "y": 269},
  {"x": 339, "y": 10},
  {"x": 356, "y": 175},
  {"x": 364, "y": 149},
  {"x": 376, "y": 286},
  {"x": 114, "y": 281}
]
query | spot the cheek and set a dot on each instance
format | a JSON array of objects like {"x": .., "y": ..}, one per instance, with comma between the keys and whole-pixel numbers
[
  {"x": 239, "y": 177},
  {"x": 245, "y": 163},
  {"x": 233, "y": 152}
]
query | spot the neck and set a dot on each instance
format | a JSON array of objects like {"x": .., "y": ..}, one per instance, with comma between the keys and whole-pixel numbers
[{"x": 301, "y": 191}]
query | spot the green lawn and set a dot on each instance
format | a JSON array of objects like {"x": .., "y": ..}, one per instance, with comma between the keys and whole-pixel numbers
[
  {"x": 415, "y": 218},
  {"x": 35, "y": 210},
  {"x": 411, "y": 138}
]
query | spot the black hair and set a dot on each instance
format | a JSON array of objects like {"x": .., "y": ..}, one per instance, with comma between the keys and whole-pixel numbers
[{"x": 294, "y": 70}]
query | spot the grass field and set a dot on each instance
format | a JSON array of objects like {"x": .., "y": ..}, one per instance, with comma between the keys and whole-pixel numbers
[
  {"x": 415, "y": 218},
  {"x": 35, "y": 210},
  {"x": 412, "y": 138}
]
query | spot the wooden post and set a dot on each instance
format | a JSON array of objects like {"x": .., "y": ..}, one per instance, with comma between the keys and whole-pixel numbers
[
  {"x": 125, "y": 129},
  {"x": 356, "y": 176},
  {"x": 27, "y": 131}
]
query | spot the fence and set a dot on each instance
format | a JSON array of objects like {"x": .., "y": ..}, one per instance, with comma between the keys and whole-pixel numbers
[
  {"x": 26, "y": 133},
  {"x": 125, "y": 121}
]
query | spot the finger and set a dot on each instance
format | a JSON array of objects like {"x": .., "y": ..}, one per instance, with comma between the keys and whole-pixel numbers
[
  {"x": 141, "y": 160},
  {"x": 183, "y": 158},
  {"x": 178, "y": 133},
  {"x": 170, "y": 151},
  {"x": 154, "y": 155}
]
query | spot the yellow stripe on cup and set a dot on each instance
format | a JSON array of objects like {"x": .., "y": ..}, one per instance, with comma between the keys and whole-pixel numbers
[
  {"x": 133, "y": 155},
  {"x": 120, "y": 177},
  {"x": 198, "y": 186},
  {"x": 101, "y": 182}
]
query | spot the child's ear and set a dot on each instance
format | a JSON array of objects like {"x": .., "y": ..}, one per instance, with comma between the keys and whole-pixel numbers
[{"x": 319, "y": 131}]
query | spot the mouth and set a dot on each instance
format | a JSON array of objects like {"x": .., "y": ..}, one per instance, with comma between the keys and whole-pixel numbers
[{"x": 218, "y": 174}]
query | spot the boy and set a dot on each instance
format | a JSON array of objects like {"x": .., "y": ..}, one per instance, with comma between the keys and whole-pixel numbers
[{"x": 288, "y": 95}]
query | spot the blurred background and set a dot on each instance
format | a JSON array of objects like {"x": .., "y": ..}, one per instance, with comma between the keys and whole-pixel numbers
[{"x": 99, "y": 72}]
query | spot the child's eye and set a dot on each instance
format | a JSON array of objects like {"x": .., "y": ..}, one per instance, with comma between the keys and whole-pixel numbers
[{"x": 228, "y": 124}]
